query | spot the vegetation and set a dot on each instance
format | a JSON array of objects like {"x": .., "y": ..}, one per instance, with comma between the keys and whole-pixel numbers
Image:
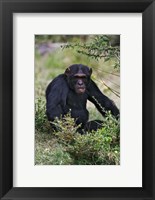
[
  {"x": 99, "y": 47},
  {"x": 65, "y": 146}
]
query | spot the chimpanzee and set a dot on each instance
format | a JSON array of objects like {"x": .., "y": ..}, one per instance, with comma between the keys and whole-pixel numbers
[{"x": 70, "y": 92}]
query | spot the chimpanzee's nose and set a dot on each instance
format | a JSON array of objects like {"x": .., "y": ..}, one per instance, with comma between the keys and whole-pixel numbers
[{"x": 80, "y": 82}]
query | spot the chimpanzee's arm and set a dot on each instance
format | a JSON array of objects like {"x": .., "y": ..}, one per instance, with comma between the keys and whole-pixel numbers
[
  {"x": 102, "y": 102},
  {"x": 56, "y": 95}
]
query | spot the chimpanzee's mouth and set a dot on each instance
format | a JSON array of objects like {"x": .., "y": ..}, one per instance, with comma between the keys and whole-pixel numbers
[{"x": 80, "y": 90}]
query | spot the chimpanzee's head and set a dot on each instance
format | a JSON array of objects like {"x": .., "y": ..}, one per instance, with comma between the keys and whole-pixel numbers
[{"x": 78, "y": 77}]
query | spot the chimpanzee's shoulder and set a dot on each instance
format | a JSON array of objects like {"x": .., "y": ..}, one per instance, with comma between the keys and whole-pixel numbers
[{"x": 57, "y": 83}]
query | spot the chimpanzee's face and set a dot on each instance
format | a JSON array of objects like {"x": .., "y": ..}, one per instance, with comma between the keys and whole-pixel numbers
[{"x": 78, "y": 77}]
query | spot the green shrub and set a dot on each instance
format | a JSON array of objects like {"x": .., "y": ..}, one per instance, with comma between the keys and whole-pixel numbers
[
  {"x": 95, "y": 148},
  {"x": 66, "y": 146},
  {"x": 41, "y": 123},
  {"x": 99, "y": 48}
]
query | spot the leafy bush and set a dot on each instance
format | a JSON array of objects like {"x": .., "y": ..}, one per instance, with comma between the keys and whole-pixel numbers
[
  {"x": 99, "y": 47},
  {"x": 95, "y": 148},
  {"x": 41, "y": 123},
  {"x": 99, "y": 147}
]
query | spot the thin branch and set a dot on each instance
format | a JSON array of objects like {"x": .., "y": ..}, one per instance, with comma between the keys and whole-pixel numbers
[
  {"x": 107, "y": 72},
  {"x": 112, "y": 90},
  {"x": 112, "y": 82}
]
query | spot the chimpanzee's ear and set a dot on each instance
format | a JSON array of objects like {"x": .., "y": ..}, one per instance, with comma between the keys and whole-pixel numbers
[
  {"x": 67, "y": 71},
  {"x": 90, "y": 71}
]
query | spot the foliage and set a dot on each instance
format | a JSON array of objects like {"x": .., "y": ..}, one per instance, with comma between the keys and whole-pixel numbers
[
  {"x": 66, "y": 146},
  {"x": 99, "y": 47},
  {"x": 40, "y": 117},
  {"x": 95, "y": 148}
]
